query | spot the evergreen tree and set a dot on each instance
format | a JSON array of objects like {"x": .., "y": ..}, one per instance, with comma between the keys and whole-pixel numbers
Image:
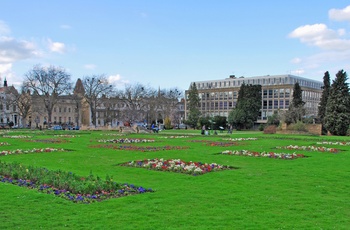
[
  {"x": 296, "y": 109},
  {"x": 337, "y": 113},
  {"x": 193, "y": 106},
  {"x": 248, "y": 106},
  {"x": 323, "y": 103}
]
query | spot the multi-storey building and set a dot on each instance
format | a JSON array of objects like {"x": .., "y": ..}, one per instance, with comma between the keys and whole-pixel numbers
[
  {"x": 8, "y": 109},
  {"x": 219, "y": 97}
]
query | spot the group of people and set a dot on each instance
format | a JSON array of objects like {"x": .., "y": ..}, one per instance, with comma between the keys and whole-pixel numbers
[{"x": 204, "y": 130}]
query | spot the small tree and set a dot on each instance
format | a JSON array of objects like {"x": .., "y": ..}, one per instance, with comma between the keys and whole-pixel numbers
[
  {"x": 193, "y": 106},
  {"x": 296, "y": 110},
  {"x": 338, "y": 106}
]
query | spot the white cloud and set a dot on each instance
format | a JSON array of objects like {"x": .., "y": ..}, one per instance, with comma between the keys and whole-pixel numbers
[
  {"x": 340, "y": 14},
  {"x": 4, "y": 29},
  {"x": 12, "y": 50},
  {"x": 117, "y": 80},
  {"x": 90, "y": 66},
  {"x": 295, "y": 60},
  {"x": 57, "y": 47},
  {"x": 320, "y": 36},
  {"x": 65, "y": 27},
  {"x": 297, "y": 72}
]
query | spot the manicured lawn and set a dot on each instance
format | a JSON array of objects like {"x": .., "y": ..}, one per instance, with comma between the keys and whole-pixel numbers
[{"x": 260, "y": 193}]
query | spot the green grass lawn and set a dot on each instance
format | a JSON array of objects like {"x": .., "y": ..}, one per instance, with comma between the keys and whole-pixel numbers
[{"x": 263, "y": 193}]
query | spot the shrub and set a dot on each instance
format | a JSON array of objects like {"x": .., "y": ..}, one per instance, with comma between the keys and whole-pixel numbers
[
  {"x": 261, "y": 127},
  {"x": 271, "y": 129},
  {"x": 299, "y": 126}
]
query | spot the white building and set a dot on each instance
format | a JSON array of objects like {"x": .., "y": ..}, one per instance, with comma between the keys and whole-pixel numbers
[{"x": 219, "y": 97}]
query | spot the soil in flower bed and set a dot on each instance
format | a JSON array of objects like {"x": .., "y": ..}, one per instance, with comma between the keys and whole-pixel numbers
[
  {"x": 140, "y": 148},
  {"x": 178, "y": 166}
]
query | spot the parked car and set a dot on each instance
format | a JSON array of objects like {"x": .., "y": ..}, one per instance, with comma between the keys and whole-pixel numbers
[{"x": 57, "y": 127}]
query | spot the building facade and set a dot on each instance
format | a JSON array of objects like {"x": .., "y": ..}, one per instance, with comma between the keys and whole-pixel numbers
[
  {"x": 8, "y": 109},
  {"x": 219, "y": 97}
]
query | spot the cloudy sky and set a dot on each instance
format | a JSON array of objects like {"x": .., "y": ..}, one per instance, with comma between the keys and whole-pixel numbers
[{"x": 170, "y": 44}]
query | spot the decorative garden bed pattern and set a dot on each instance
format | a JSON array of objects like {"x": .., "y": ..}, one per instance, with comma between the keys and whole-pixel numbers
[
  {"x": 17, "y": 136},
  {"x": 126, "y": 140},
  {"x": 66, "y": 184},
  {"x": 241, "y": 139},
  {"x": 40, "y": 150},
  {"x": 215, "y": 143},
  {"x": 274, "y": 155},
  {"x": 139, "y": 148},
  {"x": 178, "y": 166},
  {"x": 4, "y": 144},
  {"x": 309, "y": 148},
  {"x": 333, "y": 143},
  {"x": 54, "y": 141}
]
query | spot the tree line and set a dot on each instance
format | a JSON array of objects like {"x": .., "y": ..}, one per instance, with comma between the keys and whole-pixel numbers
[{"x": 140, "y": 102}]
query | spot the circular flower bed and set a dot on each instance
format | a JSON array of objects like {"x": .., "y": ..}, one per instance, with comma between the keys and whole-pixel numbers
[
  {"x": 263, "y": 154},
  {"x": 177, "y": 165},
  {"x": 241, "y": 139},
  {"x": 215, "y": 143},
  {"x": 17, "y": 137}
]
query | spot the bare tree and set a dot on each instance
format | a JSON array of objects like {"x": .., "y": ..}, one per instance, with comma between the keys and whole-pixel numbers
[
  {"x": 97, "y": 88},
  {"x": 23, "y": 102},
  {"x": 47, "y": 84},
  {"x": 137, "y": 99}
]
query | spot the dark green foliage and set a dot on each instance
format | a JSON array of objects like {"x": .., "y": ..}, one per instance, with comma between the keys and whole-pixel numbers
[
  {"x": 296, "y": 110},
  {"x": 323, "y": 103},
  {"x": 248, "y": 106},
  {"x": 193, "y": 106},
  {"x": 337, "y": 114}
]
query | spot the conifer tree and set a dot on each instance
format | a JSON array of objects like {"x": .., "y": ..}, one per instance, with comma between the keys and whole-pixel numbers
[
  {"x": 296, "y": 110},
  {"x": 323, "y": 103},
  {"x": 193, "y": 106},
  {"x": 337, "y": 113}
]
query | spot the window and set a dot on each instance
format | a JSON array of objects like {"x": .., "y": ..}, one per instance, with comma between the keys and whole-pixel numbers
[
  {"x": 69, "y": 110},
  {"x": 59, "y": 109}
]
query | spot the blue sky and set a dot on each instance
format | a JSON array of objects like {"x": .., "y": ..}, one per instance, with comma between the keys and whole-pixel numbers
[{"x": 170, "y": 44}]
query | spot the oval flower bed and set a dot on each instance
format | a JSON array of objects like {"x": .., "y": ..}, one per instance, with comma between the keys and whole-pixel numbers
[
  {"x": 17, "y": 137},
  {"x": 140, "y": 148},
  {"x": 66, "y": 184},
  {"x": 20, "y": 151},
  {"x": 309, "y": 148},
  {"x": 127, "y": 140},
  {"x": 178, "y": 166},
  {"x": 263, "y": 154}
]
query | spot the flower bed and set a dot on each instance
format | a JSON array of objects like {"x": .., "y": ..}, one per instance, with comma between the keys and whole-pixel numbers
[
  {"x": 263, "y": 154},
  {"x": 140, "y": 148},
  {"x": 178, "y": 166},
  {"x": 17, "y": 137},
  {"x": 215, "y": 143},
  {"x": 55, "y": 141},
  {"x": 333, "y": 143},
  {"x": 20, "y": 151},
  {"x": 4, "y": 144},
  {"x": 309, "y": 148},
  {"x": 241, "y": 139},
  {"x": 171, "y": 137},
  {"x": 66, "y": 184},
  {"x": 127, "y": 140},
  {"x": 67, "y": 135}
]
